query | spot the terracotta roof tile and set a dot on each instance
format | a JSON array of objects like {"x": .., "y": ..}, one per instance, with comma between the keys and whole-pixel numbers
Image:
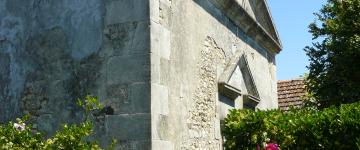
[{"x": 290, "y": 93}]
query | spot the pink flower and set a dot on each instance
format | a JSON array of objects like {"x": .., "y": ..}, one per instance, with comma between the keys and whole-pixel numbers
[{"x": 271, "y": 146}]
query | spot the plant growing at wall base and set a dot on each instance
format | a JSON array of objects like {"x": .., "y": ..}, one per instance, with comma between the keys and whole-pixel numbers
[{"x": 19, "y": 135}]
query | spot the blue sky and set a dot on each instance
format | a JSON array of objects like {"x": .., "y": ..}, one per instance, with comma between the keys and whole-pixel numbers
[{"x": 292, "y": 18}]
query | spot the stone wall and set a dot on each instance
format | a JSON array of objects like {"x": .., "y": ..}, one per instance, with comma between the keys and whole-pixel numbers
[
  {"x": 191, "y": 42},
  {"x": 155, "y": 63},
  {"x": 53, "y": 52}
]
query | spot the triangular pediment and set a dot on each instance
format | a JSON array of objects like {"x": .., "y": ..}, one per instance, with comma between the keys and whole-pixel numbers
[
  {"x": 262, "y": 15},
  {"x": 254, "y": 19},
  {"x": 259, "y": 11},
  {"x": 237, "y": 80},
  {"x": 242, "y": 78}
]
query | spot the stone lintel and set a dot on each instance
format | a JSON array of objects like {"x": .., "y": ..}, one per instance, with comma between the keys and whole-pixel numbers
[{"x": 248, "y": 24}]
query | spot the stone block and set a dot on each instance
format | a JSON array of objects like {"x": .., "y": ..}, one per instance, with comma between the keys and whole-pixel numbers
[
  {"x": 155, "y": 28},
  {"x": 120, "y": 11},
  {"x": 119, "y": 37},
  {"x": 165, "y": 13},
  {"x": 167, "y": 3},
  {"x": 133, "y": 98},
  {"x": 118, "y": 91},
  {"x": 4, "y": 64},
  {"x": 160, "y": 39},
  {"x": 165, "y": 71},
  {"x": 85, "y": 29},
  {"x": 4, "y": 79},
  {"x": 134, "y": 145},
  {"x": 159, "y": 97},
  {"x": 141, "y": 40},
  {"x": 165, "y": 47},
  {"x": 155, "y": 68},
  {"x": 47, "y": 123},
  {"x": 118, "y": 98},
  {"x": 162, "y": 145},
  {"x": 128, "y": 126},
  {"x": 128, "y": 69},
  {"x": 130, "y": 38},
  {"x": 154, "y": 13},
  {"x": 140, "y": 97},
  {"x": 217, "y": 128},
  {"x": 159, "y": 127}
]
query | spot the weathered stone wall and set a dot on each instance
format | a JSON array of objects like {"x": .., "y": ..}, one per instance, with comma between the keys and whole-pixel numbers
[
  {"x": 55, "y": 51},
  {"x": 191, "y": 41},
  {"x": 155, "y": 63}
]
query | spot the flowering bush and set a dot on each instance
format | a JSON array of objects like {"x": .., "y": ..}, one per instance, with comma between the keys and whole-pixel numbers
[
  {"x": 13, "y": 137},
  {"x": 330, "y": 128},
  {"x": 21, "y": 136}
]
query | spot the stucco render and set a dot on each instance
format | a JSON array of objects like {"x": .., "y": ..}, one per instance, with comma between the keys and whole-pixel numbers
[{"x": 157, "y": 64}]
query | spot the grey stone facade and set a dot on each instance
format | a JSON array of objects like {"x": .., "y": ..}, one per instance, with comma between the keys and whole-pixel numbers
[{"x": 170, "y": 69}]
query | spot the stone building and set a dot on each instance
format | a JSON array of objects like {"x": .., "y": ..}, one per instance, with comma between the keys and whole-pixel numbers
[{"x": 169, "y": 69}]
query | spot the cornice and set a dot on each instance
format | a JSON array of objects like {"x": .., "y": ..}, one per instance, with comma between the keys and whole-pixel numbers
[{"x": 252, "y": 28}]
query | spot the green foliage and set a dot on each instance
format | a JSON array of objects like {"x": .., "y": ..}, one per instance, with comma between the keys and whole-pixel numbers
[
  {"x": 21, "y": 136},
  {"x": 12, "y": 138},
  {"x": 330, "y": 128},
  {"x": 89, "y": 104},
  {"x": 335, "y": 60},
  {"x": 72, "y": 137}
]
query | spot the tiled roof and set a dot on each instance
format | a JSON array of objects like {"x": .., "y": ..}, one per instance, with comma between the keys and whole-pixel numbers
[{"x": 290, "y": 93}]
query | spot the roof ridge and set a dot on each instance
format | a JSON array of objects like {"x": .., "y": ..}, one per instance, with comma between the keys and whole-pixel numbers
[{"x": 295, "y": 79}]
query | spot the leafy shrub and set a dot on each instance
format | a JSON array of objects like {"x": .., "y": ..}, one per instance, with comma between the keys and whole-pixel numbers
[
  {"x": 21, "y": 136},
  {"x": 12, "y": 138},
  {"x": 330, "y": 128}
]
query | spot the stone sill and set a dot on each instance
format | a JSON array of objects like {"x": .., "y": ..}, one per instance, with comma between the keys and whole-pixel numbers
[
  {"x": 250, "y": 101},
  {"x": 229, "y": 91}
]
